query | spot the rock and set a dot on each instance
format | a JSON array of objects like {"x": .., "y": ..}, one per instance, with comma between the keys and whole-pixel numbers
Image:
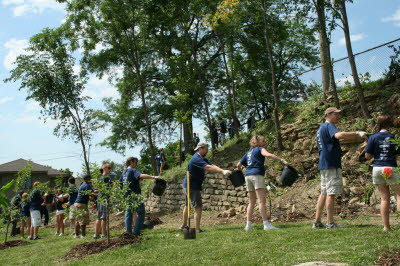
[
  {"x": 393, "y": 104},
  {"x": 356, "y": 190},
  {"x": 306, "y": 145},
  {"x": 353, "y": 200}
]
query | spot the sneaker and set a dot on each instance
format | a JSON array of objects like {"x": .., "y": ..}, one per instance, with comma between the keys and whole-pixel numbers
[
  {"x": 96, "y": 236},
  {"x": 103, "y": 236},
  {"x": 248, "y": 227},
  {"x": 77, "y": 236},
  {"x": 318, "y": 225},
  {"x": 333, "y": 225},
  {"x": 60, "y": 234},
  {"x": 270, "y": 227},
  {"x": 36, "y": 238},
  {"x": 56, "y": 234},
  {"x": 385, "y": 229},
  {"x": 183, "y": 227},
  {"x": 198, "y": 231},
  {"x": 83, "y": 236},
  {"x": 30, "y": 238}
]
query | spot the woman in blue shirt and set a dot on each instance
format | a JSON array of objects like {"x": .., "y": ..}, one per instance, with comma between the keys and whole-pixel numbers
[
  {"x": 384, "y": 153},
  {"x": 253, "y": 160}
]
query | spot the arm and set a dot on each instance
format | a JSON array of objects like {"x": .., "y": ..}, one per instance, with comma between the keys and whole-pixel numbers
[
  {"x": 265, "y": 153},
  {"x": 215, "y": 169},
  {"x": 145, "y": 176},
  {"x": 239, "y": 165},
  {"x": 350, "y": 135},
  {"x": 368, "y": 156}
]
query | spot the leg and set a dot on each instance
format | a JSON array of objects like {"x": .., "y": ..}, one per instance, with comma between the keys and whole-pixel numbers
[
  {"x": 320, "y": 207},
  {"x": 28, "y": 227},
  {"x": 98, "y": 227},
  {"x": 330, "y": 202},
  {"x": 62, "y": 223},
  {"x": 184, "y": 216},
  {"x": 104, "y": 227},
  {"x": 261, "y": 195},
  {"x": 128, "y": 220},
  {"x": 396, "y": 190},
  {"x": 197, "y": 216},
  {"x": 252, "y": 204},
  {"x": 22, "y": 227},
  {"x": 134, "y": 218},
  {"x": 83, "y": 227},
  {"x": 140, "y": 219},
  {"x": 58, "y": 224},
  {"x": 385, "y": 204}
]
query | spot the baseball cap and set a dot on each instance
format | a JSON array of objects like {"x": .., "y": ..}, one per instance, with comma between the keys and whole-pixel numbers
[
  {"x": 332, "y": 110},
  {"x": 201, "y": 144}
]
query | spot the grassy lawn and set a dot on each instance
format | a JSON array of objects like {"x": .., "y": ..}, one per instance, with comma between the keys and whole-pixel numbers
[{"x": 358, "y": 244}]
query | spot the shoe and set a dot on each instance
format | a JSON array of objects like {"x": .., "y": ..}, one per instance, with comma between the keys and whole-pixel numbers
[
  {"x": 30, "y": 238},
  {"x": 248, "y": 227},
  {"x": 386, "y": 229},
  {"x": 269, "y": 226},
  {"x": 198, "y": 231},
  {"x": 83, "y": 236},
  {"x": 56, "y": 234},
  {"x": 36, "y": 238},
  {"x": 103, "y": 236},
  {"x": 183, "y": 227},
  {"x": 333, "y": 225},
  {"x": 60, "y": 234},
  {"x": 77, "y": 236},
  {"x": 96, "y": 236},
  {"x": 318, "y": 225}
]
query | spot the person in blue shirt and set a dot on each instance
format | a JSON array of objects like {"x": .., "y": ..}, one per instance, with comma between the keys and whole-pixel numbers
[
  {"x": 36, "y": 200},
  {"x": 222, "y": 130},
  {"x": 58, "y": 201},
  {"x": 73, "y": 194},
  {"x": 25, "y": 215},
  {"x": 81, "y": 206},
  {"x": 330, "y": 165},
  {"x": 15, "y": 205},
  {"x": 384, "y": 152},
  {"x": 197, "y": 166},
  {"x": 253, "y": 160},
  {"x": 101, "y": 222},
  {"x": 131, "y": 177},
  {"x": 160, "y": 161}
]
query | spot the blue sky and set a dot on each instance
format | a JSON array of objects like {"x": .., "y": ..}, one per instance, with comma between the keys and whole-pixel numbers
[{"x": 23, "y": 135}]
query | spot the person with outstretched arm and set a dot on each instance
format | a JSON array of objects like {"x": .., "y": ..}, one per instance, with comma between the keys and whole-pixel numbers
[
  {"x": 197, "y": 167},
  {"x": 330, "y": 165},
  {"x": 254, "y": 160}
]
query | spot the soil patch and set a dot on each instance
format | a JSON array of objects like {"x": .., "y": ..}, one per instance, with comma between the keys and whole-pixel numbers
[
  {"x": 392, "y": 257},
  {"x": 94, "y": 247},
  {"x": 13, "y": 243}
]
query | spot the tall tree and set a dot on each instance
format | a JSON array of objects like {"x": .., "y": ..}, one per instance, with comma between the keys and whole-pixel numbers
[{"x": 48, "y": 76}]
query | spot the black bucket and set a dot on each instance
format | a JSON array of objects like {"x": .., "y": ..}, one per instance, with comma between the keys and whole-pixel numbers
[
  {"x": 159, "y": 187},
  {"x": 189, "y": 233},
  {"x": 288, "y": 176},
  {"x": 237, "y": 178}
]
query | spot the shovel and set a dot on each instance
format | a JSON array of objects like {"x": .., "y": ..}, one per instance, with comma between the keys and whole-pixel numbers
[{"x": 189, "y": 233}]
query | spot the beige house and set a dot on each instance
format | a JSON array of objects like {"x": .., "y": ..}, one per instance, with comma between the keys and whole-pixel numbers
[{"x": 41, "y": 173}]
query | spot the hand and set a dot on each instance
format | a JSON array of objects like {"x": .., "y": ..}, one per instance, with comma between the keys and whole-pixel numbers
[
  {"x": 362, "y": 134},
  {"x": 284, "y": 162},
  {"x": 156, "y": 177},
  {"x": 226, "y": 172}
]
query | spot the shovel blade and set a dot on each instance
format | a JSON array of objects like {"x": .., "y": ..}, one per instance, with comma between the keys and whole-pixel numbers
[{"x": 189, "y": 233}]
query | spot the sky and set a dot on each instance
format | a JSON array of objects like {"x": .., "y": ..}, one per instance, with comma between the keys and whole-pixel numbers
[{"x": 24, "y": 135}]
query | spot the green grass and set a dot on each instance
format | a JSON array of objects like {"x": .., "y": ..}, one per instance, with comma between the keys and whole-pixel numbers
[{"x": 358, "y": 244}]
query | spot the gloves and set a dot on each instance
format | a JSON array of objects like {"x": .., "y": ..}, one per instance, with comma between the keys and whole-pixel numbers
[
  {"x": 284, "y": 162},
  {"x": 226, "y": 172},
  {"x": 362, "y": 134}
]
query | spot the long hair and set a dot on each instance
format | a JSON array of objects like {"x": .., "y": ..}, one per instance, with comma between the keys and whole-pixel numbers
[{"x": 255, "y": 140}]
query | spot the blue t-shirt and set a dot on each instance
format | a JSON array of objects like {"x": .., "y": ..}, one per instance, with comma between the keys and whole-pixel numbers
[
  {"x": 83, "y": 193},
  {"x": 73, "y": 194},
  {"x": 382, "y": 149},
  {"x": 330, "y": 153},
  {"x": 254, "y": 162},
  {"x": 196, "y": 169},
  {"x": 160, "y": 158},
  {"x": 132, "y": 176},
  {"x": 36, "y": 200},
  {"x": 25, "y": 206}
]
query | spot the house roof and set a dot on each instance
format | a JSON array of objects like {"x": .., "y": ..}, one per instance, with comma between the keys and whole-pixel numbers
[{"x": 15, "y": 166}]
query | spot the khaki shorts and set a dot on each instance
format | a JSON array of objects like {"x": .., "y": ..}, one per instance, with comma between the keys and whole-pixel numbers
[
  {"x": 36, "y": 219},
  {"x": 82, "y": 213},
  {"x": 72, "y": 212},
  {"x": 254, "y": 182},
  {"x": 378, "y": 177},
  {"x": 331, "y": 181}
]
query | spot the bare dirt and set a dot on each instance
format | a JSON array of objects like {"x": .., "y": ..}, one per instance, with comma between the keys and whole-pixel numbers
[
  {"x": 392, "y": 257},
  {"x": 11, "y": 244}
]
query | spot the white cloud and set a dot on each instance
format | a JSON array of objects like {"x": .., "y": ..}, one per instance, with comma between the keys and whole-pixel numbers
[
  {"x": 32, "y": 106},
  {"x": 24, "y": 7},
  {"x": 15, "y": 48},
  {"x": 394, "y": 17},
  {"x": 353, "y": 38},
  {"x": 26, "y": 119},
  {"x": 6, "y": 99}
]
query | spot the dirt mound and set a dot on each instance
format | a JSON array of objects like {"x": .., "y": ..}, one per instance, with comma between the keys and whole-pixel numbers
[
  {"x": 13, "y": 243},
  {"x": 94, "y": 247},
  {"x": 392, "y": 257}
]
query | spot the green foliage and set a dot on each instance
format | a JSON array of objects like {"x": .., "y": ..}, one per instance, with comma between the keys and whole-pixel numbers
[
  {"x": 393, "y": 72},
  {"x": 23, "y": 176},
  {"x": 368, "y": 191}
]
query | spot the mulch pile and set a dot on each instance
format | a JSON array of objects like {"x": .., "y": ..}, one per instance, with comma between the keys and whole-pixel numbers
[
  {"x": 392, "y": 257},
  {"x": 94, "y": 247},
  {"x": 10, "y": 244}
]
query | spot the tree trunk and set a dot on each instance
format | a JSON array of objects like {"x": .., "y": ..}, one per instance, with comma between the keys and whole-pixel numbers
[
  {"x": 188, "y": 136},
  {"x": 8, "y": 225},
  {"x": 332, "y": 78},
  {"x": 273, "y": 77},
  {"x": 108, "y": 223},
  {"x": 357, "y": 83},
  {"x": 323, "y": 49}
]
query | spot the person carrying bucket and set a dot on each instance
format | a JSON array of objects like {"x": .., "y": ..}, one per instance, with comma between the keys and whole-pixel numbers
[
  {"x": 197, "y": 166},
  {"x": 253, "y": 160}
]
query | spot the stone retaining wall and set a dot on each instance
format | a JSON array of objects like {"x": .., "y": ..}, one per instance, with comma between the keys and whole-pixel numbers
[{"x": 218, "y": 194}]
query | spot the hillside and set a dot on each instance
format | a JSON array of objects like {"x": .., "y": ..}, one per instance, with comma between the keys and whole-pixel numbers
[{"x": 299, "y": 124}]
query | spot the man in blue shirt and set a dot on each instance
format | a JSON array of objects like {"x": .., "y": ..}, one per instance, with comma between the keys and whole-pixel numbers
[
  {"x": 330, "y": 165},
  {"x": 131, "y": 177},
  {"x": 81, "y": 206},
  {"x": 101, "y": 222},
  {"x": 197, "y": 166},
  {"x": 73, "y": 194},
  {"x": 36, "y": 202}
]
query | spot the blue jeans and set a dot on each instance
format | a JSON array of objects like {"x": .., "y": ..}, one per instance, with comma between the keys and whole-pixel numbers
[{"x": 139, "y": 221}]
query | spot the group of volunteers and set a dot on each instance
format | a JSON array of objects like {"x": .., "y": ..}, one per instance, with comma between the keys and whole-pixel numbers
[{"x": 379, "y": 147}]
